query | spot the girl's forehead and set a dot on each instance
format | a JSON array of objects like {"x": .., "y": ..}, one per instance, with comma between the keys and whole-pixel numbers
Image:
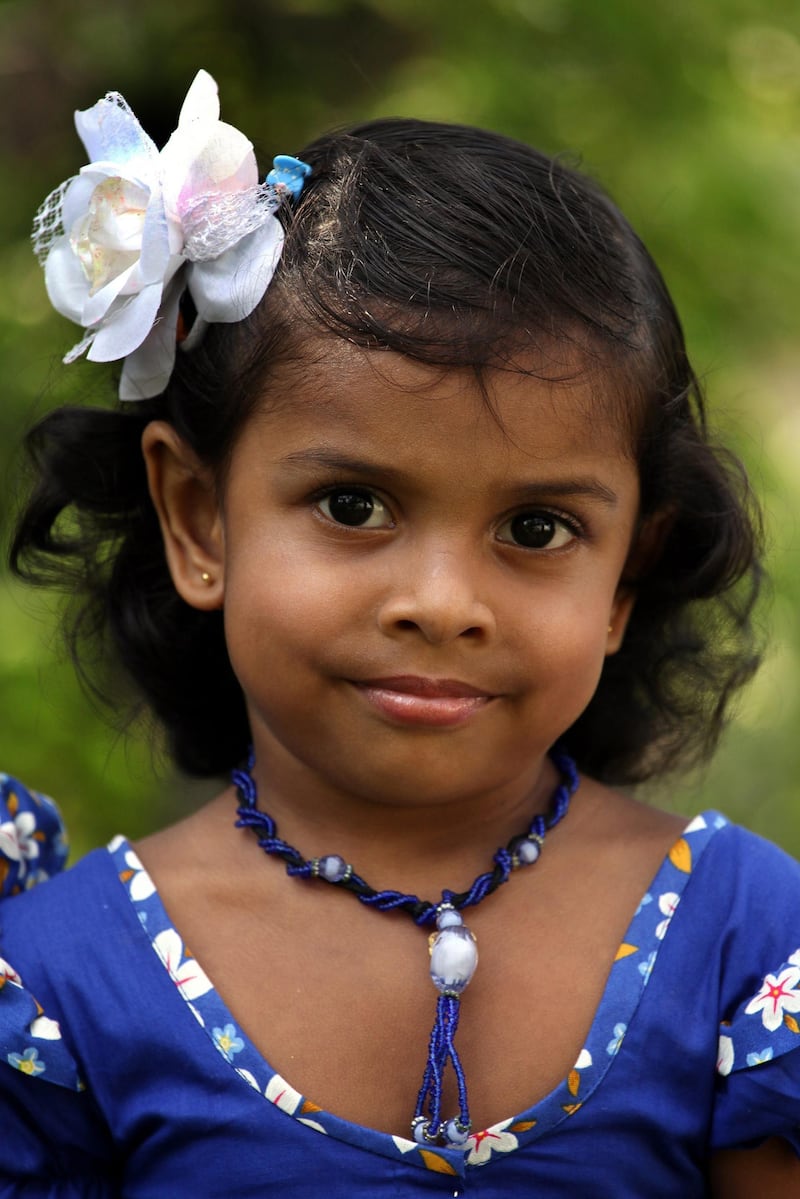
[{"x": 540, "y": 408}]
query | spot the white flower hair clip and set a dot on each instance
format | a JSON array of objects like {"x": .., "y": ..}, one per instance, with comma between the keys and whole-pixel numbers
[{"x": 123, "y": 240}]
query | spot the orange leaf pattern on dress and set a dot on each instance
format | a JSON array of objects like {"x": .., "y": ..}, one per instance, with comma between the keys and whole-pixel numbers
[
  {"x": 681, "y": 856},
  {"x": 433, "y": 1161}
]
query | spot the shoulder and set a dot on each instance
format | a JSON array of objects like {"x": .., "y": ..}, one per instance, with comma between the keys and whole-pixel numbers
[
  {"x": 50, "y": 1125},
  {"x": 754, "y": 888},
  {"x": 40, "y": 937},
  {"x": 32, "y": 853},
  {"x": 756, "y": 883},
  {"x": 741, "y": 902},
  {"x": 747, "y": 893}
]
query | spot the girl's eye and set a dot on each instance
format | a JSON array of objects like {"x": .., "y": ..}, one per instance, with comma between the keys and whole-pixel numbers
[
  {"x": 537, "y": 531},
  {"x": 355, "y": 508}
]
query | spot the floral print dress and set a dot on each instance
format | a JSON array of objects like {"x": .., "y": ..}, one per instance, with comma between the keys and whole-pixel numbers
[{"x": 122, "y": 1072}]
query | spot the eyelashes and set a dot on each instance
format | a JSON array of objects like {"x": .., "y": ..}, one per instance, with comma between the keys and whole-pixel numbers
[{"x": 532, "y": 528}]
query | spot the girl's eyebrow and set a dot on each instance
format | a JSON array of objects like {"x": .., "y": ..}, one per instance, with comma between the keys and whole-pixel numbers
[
  {"x": 333, "y": 460},
  {"x": 592, "y": 489}
]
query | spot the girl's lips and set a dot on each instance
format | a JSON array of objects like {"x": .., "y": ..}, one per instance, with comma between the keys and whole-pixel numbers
[{"x": 440, "y": 703}]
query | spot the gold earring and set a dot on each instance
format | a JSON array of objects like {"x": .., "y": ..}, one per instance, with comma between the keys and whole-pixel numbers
[
  {"x": 206, "y": 577},
  {"x": 611, "y": 628}
]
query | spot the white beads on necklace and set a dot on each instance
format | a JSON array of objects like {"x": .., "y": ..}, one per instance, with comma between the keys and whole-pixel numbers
[
  {"x": 454, "y": 952},
  {"x": 525, "y": 850},
  {"x": 332, "y": 868}
]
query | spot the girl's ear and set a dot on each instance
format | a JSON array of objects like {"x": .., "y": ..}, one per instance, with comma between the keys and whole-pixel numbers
[
  {"x": 644, "y": 553},
  {"x": 185, "y": 499},
  {"x": 618, "y": 617}
]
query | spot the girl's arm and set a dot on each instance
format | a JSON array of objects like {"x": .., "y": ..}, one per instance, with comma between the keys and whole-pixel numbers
[{"x": 772, "y": 1171}]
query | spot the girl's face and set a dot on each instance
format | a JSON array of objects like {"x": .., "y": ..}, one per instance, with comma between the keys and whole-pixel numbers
[{"x": 418, "y": 595}]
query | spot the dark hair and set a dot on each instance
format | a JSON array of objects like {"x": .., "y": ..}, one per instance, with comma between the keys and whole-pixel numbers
[{"x": 456, "y": 246}]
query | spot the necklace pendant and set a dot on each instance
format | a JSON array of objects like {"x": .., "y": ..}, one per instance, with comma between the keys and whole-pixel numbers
[
  {"x": 454, "y": 953},
  {"x": 454, "y": 956}
]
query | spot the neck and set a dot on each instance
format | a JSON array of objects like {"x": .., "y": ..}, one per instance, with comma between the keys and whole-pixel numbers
[{"x": 418, "y": 844}]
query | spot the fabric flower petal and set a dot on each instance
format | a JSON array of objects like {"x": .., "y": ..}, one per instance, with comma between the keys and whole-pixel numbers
[
  {"x": 229, "y": 287},
  {"x": 198, "y": 160},
  {"x": 109, "y": 130},
  {"x": 205, "y": 154},
  {"x": 202, "y": 100},
  {"x": 77, "y": 197},
  {"x": 124, "y": 330},
  {"x": 65, "y": 281},
  {"x": 156, "y": 250},
  {"x": 100, "y": 306},
  {"x": 147, "y": 369}
]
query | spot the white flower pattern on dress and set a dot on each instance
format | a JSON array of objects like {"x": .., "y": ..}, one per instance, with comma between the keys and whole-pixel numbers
[
  {"x": 779, "y": 993},
  {"x": 481, "y": 1145},
  {"x": 141, "y": 885},
  {"x": 8, "y": 974},
  {"x": 667, "y": 904},
  {"x": 282, "y": 1095},
  {"x": 725, "y": 1055},
  {"x": 18, "y": 840},
  {"x": 187, "y": 974},
  {"x": 45, "y": 1029}
]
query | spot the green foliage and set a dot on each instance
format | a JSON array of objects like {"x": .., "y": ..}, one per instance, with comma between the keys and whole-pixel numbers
[{"x": 690, "y": 115}]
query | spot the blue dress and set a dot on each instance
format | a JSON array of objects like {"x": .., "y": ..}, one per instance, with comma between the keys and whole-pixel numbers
[{"x": 122, "y": 1073}]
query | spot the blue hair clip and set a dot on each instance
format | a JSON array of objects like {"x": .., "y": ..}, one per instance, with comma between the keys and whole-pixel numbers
[{"x": 288, "y": 174}]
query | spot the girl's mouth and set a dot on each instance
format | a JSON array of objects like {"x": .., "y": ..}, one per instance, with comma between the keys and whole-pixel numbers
[{"x": 437, "y": 703}]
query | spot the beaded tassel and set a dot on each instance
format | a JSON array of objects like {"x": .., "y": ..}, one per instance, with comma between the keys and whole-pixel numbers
[
  {"x": 453, "y": 950},
  {"x": 454, "y": 956}
]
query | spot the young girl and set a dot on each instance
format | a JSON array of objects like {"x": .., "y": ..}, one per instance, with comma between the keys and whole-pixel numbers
[{"x": 420, "y": 539}]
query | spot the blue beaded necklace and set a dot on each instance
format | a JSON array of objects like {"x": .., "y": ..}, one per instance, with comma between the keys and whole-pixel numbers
[{"x": 453, "y": 949}]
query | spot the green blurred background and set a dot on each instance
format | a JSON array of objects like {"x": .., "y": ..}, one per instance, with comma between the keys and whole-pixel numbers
[{"x": 688, "y": 112}]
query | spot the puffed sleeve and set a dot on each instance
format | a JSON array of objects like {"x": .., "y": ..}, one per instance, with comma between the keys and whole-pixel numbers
[
  {"x": 53, "y": 1144},
  {"x": 759, "y": 1064},
  {"x": 33, "y": 842}
]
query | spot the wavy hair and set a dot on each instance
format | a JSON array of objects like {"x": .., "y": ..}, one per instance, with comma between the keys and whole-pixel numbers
[{"x": 451, "y": 245}]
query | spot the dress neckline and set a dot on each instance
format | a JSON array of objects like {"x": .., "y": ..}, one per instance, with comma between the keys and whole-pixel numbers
[{"x": 628, "y": 977}]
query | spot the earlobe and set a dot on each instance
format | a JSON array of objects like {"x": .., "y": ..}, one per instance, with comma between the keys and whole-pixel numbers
[
  {"x": 645, "y": 550},
  {"x": 618, "y": 618},
  {"x": 185, "y": 501}
]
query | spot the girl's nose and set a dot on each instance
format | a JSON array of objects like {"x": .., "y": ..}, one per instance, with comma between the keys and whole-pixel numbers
[{"x": 437, "y": 595}]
